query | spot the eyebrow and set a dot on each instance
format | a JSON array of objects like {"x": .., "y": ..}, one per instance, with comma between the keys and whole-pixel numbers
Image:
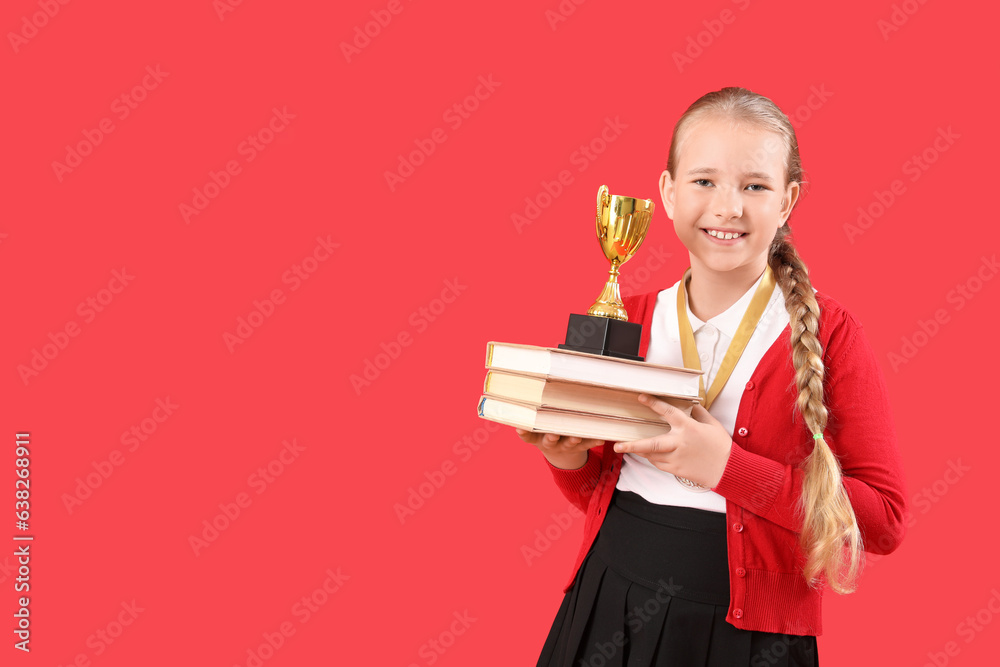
[{"x": 759, "y": 175}]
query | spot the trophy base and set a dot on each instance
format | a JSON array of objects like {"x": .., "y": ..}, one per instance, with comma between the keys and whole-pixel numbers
[{"x": 603, "y": 336}]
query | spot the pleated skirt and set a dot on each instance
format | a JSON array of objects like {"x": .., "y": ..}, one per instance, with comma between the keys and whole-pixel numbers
[{"x": 654, "y": 591}]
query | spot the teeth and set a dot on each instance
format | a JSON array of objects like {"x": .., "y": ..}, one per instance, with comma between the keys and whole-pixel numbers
[{"x": 724, "y": 235}]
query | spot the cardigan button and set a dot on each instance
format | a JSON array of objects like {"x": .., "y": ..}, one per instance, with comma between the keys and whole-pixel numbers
[
  {"x": 740, "y": 572},
  {"x": 738, "y": 527},
  {"x": 750, "y": 385},
  {"x": 737, "y": 613},
  {"x": 743, "y": 431}
]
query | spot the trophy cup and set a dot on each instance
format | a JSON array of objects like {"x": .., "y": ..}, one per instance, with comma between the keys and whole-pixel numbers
[{"x": 622, "y": 223}]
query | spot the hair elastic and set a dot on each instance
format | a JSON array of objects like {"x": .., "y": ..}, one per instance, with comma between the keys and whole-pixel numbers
[{"x": 817, "y": 436}]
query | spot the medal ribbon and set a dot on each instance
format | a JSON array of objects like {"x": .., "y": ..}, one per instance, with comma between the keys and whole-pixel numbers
[{"x": 743, "y": 333}]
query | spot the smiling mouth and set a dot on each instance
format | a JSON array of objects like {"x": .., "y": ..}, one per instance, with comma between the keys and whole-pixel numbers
[{"x": 724, "y": 235}]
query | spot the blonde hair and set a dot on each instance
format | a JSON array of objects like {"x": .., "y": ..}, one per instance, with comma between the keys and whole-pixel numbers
[{"x": 830, "y": 536}]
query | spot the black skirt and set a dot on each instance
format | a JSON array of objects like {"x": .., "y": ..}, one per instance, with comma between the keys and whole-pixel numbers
[{"x": 654, "y": 591}]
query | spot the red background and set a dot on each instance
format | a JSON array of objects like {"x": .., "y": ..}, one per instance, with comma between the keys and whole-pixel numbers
[{"x": 885, "y": 95}]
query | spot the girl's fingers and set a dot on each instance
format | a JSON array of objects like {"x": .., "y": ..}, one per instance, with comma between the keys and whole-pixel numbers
[
  {"x": 700, "y": 414},
  {"x": 667, "y": 412},
  {"x": 645, "y": 446}
]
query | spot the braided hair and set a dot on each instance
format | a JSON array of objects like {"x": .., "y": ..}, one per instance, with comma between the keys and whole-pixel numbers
[{"x": 830, "y": 536}]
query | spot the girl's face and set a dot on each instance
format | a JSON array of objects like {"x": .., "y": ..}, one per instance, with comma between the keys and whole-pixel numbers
[{"x": 729, "y": 181}]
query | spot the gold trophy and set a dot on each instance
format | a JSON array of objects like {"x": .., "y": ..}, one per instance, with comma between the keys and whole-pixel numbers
[{"x": 622, "y": 223}]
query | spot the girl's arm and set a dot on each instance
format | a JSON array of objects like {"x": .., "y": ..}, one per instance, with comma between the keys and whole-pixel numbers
[
  {"x": 860, "y": 433},
  {"x": 578, "y": 485}
]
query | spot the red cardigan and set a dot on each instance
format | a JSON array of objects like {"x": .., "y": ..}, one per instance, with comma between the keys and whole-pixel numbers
[{"x": 762, "y": 483}]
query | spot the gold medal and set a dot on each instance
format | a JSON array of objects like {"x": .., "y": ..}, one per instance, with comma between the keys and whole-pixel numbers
[{"x": 689, "y": 348}]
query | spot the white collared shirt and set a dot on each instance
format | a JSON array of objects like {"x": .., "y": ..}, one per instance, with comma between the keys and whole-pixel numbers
[{"x": 712, "y": 339}]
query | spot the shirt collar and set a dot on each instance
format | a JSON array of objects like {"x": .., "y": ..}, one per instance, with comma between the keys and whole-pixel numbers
[{"x": 729, "y": 320}]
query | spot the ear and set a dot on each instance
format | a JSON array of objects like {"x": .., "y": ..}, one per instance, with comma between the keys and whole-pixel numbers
[
  {"x": 788, "y": 202},
  {"x": 667, "y": 193}
]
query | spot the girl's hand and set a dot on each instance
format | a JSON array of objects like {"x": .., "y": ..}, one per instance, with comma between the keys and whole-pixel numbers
[
  {"x": 695, "y": 447},
  {"x": 561, "y": 451}
]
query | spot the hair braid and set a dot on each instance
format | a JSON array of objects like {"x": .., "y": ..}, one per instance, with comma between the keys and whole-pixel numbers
[{"x": 830, "y": 535}]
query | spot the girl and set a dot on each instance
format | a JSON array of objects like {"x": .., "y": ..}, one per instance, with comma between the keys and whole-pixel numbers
[{"x": 711, "y": 544}]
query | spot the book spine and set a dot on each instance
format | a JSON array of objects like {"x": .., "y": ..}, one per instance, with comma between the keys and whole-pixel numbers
[{"x": 482, "y": 402}]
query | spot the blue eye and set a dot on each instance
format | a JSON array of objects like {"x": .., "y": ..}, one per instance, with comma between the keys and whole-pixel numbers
[
  {"x": 703, "y": 181},
  {"x": 757, "y": 185}
]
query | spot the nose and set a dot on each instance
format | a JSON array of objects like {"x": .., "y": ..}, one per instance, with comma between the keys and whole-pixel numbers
[{"x": 727, "y": 203}]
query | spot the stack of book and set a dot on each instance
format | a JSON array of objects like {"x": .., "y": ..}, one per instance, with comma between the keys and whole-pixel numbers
[{"x": 550, "y": 390}]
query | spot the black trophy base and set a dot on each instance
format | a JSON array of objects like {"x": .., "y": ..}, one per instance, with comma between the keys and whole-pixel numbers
[{"x": 603, "y": 335}]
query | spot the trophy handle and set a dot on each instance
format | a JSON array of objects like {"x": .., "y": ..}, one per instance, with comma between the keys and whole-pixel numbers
[{"x": 603, "y": 202}]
